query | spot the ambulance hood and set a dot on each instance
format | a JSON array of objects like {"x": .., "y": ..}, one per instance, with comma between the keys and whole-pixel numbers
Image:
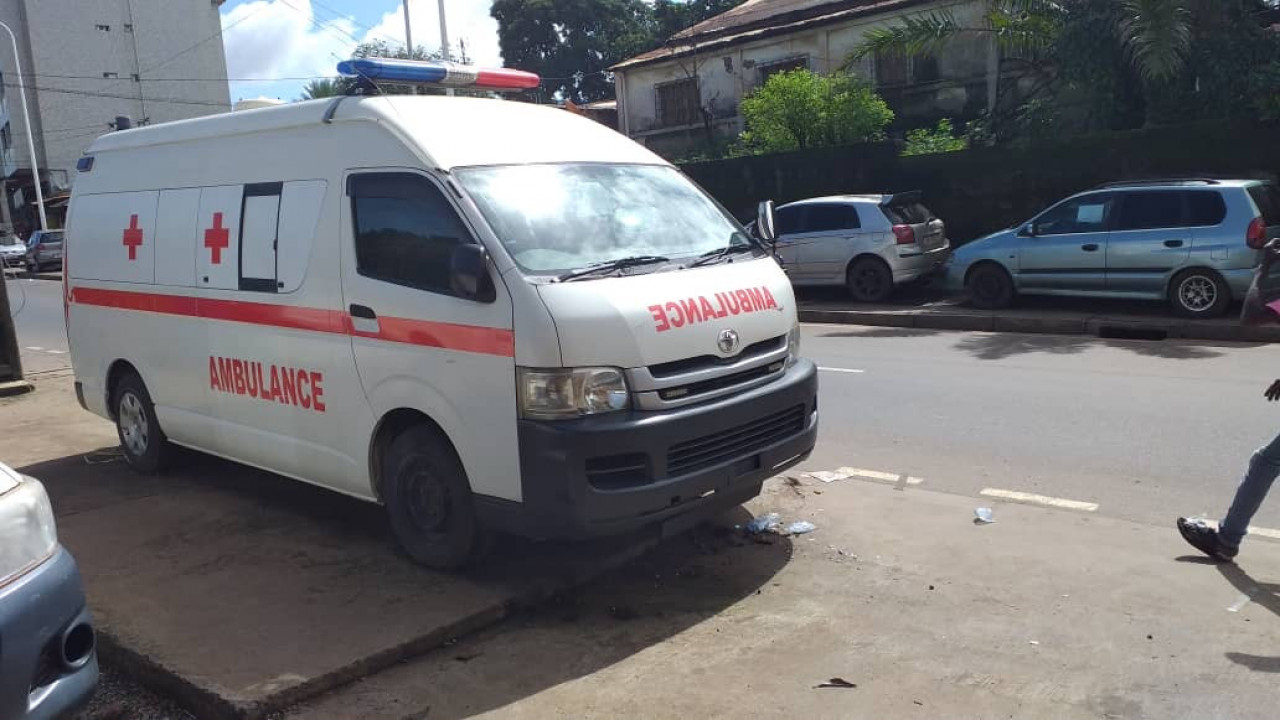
[{"x": 659, "y": 317}]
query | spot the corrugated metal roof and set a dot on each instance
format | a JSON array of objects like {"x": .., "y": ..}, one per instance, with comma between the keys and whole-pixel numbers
[{"x": 761, "y": 18}]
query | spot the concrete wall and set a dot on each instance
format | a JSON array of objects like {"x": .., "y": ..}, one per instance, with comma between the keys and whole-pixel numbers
[
  {"x": 728, "y": 74},
  {"x": 91, "y": 51}
]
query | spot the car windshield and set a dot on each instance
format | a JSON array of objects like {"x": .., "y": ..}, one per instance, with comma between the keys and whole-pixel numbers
[{"x": 553, "y": 218}]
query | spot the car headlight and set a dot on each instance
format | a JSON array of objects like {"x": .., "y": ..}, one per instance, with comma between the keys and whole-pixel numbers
[
  {"x": 562, "y": 393},
  {"x": 793, "y": 345},
  {"x": 28, "y": 535}
]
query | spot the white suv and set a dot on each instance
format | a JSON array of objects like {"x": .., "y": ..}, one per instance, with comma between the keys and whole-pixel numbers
[{"x": 868, "y": 243}]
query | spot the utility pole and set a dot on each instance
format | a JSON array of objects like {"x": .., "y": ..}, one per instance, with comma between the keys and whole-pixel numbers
[
  {"x": 10, "y": 360},
  {"x": 444, "y": 41},
  {"x": 26, "y": 122},
  {"x": 408, "y": 31}
]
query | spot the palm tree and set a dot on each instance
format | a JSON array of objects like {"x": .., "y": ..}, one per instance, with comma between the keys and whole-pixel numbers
[{"x": 323, "y": 88}]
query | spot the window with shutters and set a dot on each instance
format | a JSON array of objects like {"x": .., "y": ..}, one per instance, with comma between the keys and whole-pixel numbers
[{"x": 679, "y": 103}]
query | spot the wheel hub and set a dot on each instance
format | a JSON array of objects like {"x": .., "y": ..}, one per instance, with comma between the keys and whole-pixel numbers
[
  {"x": 133, "y": 424},
  {"x": 1197, "y": 293},
  {"x": 428, "y": 502}
]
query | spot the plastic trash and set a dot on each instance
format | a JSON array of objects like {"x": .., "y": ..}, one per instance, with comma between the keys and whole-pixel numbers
[
  {"x": 983, "y": 516},
  {"x": 763, "y": 523},
  {"x": 801, "y": 527}
]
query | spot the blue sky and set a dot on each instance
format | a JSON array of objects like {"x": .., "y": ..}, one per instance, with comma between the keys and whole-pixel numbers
[{"x": 267, "y": 40}]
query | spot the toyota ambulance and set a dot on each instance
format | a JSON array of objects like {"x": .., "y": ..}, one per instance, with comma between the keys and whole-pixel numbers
[{"x": 482, "y": 314}]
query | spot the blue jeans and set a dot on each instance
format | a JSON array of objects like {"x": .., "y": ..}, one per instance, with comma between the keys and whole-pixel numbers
[{"x": 1264, "y": 466}]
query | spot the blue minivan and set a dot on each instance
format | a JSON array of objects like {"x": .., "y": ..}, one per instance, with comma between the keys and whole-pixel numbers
[{"x": 1192, "y": 243}]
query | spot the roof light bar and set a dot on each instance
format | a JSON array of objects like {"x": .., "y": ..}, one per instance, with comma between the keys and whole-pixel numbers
[{"x": 438, "y": 72}]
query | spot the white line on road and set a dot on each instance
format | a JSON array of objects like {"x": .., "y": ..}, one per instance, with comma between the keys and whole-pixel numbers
[
  {"x": 1016, "y": 496},
  {"x": 1253, "y": 530},
  {"x": 31, "y": 347},
  {"x": 851, "y": 371},
  {"x": 877, "y": 475}
]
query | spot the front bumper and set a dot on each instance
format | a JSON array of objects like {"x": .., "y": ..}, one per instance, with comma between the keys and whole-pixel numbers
[
  {"x": 616, "y": 473},
  {"x": 38, "y": 612}
]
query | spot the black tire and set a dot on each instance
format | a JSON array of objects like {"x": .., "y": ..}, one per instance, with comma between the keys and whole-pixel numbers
[
  {"x": 144, "y": 444},
  {"x": 429, "y": 502},
  {"x": 1199, "y": 293},
  {"x": 989, "y": 287},
  {"x": 869, "y": 280}
]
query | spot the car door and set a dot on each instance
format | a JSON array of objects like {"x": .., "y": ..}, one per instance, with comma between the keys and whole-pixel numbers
[
  {"x": 1065, "y": 248},
  {"x": 417, "y": 343},
  {"x": 786, "y": 221},
  {"x": 826, "y": 246},
  {"x": 1149, "y": 239}
]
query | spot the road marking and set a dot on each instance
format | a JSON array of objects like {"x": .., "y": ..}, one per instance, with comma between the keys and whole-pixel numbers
[
  {"x": 1253, "y": 530},
  {"x": 31, "y": 347},
  {"x": 850, "y": 371},
  {"x": 1016, "y": 496},
  {"x": 892, "y": 478}
]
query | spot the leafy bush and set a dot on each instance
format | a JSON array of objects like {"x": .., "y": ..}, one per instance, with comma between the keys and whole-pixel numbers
[
  {"x": 800, "y": 109},
  {"x": 941, "y": 139}
]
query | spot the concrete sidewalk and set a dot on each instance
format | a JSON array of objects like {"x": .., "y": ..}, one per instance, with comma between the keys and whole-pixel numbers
[
  {"x": 929, "y": 308},
  {"x": 1044, "y": 614},
  {"x": 237, "y": 591}
]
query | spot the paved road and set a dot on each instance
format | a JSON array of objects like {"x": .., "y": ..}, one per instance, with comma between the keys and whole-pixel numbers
[
  {"x": 1147, "y": 430},
  {"x": 37, "y": 314}
]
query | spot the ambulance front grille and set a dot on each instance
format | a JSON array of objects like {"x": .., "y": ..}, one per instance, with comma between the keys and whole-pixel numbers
[{"x": 736, "y": 442}]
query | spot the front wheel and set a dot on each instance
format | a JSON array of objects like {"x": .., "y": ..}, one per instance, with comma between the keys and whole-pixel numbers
[
  {"x": 1199, "y": 294},
  {"x": 989, "y": 287},
  {"x": 428, "y": 499},
  {"x": 145, "y": 447}
]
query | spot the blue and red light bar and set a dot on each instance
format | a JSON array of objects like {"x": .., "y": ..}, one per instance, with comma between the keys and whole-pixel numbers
[{"x": 438, "y": 72}]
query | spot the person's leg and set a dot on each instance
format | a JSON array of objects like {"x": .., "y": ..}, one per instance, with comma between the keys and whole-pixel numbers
[{"x": 1264, "y": 466}]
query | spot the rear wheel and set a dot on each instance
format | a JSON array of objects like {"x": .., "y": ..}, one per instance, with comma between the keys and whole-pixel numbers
[
  {"x": 1199, "y": 293},
  {"x": 428, "y": 499},
  {"x": 989, "y": 287},
  {"x": 869, "y": 280},
  {"x": 145, "y": 447}
]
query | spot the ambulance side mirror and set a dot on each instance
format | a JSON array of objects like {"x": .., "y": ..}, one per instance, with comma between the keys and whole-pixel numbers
[
  {"x": 764, "y": 222},
  {"x": 469, "y": 273}
]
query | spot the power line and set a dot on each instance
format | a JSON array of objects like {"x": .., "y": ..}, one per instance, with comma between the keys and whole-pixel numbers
[
  {"x": 29, "y": 76},
  {"x": 90, "y": 93},
  {"x": 218, "y": 34}
]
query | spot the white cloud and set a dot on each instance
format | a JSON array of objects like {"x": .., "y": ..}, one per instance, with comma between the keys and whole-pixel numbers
[
  {"x": 267, "y": 39},
  {"x": 468, "y": 21}
]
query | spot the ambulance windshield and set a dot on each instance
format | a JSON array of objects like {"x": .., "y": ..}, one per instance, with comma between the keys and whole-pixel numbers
[{"x": 553, "y": 218}]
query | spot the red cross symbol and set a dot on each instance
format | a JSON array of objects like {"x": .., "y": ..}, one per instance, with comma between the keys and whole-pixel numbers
[
  {"x": 217, "y": 239},
  {"x": 133, "y": 237}
]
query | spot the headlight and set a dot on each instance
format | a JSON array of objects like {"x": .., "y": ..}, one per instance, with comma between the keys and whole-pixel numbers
[
  {"x": 793, "y": 345},
  {"x": 562, "y": 393},
  {"x": 28, "y": 535}
]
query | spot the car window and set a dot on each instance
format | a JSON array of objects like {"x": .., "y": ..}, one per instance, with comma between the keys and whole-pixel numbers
[
  {"x": 1146, "y": 210},
  {"x": 1079, "y": 215},
  {"x": 405, "y": 230},
  {"x": 830, "y": 217},
  {"x": 908, "y": 213},
  {"x": 1267, "y": 198},
  {"x": 787, "y": 220},
  {"x": 1204, "y": 208}
]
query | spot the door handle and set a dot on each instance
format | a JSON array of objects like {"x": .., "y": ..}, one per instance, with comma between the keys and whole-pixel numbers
[
  {"x": 1089, "y": 247},
  {"x": 362, "y": 311},
  {"x": 1173, "y": 243}
]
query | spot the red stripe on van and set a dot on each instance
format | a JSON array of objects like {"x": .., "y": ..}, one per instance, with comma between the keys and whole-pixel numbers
[{"x": 449, "y": 336}]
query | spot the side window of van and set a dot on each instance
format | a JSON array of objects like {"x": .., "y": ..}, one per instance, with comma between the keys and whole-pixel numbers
[
  {"x": 259, "y": 231},
  {"x": 405, "y": 230}
]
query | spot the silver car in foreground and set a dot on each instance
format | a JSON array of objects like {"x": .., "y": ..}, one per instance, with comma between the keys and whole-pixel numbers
[
  {"x": 48, "y": 656},
  {"x": 1192, "y": 243},
  {"x": 868, "y": 243}
]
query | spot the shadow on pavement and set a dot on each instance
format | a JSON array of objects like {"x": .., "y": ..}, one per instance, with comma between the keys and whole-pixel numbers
[
  {"x": 1264, "y": 594},
  {"x": 882, "y": 332},
  {"x": 247, "y": 587},
  {"x": 998, "y": 346}
]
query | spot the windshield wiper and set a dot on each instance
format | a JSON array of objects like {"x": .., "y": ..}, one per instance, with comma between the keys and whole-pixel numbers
[
  {"x": 612, "y": 265},
  {"x": 710, "y": 257}
]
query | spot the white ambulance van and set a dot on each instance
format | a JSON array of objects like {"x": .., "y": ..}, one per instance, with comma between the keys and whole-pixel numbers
[{"x": 483, "y": 314}]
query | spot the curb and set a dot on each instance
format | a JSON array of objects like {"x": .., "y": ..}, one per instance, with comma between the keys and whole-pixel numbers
[
  {"x": 216, "y": 703},
  {"x": 1154, "y": 328},
  {"x": 15, "y": 387}
]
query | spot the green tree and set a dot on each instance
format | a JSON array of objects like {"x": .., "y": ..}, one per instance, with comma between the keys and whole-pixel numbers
[
  {"x": 939, "y": 139},
  {"x": 323, "y": 88},
  {"x": 572, "y": 43},
  {"x": 672, "y": 16},
  {"x": 800, "y": 109}
]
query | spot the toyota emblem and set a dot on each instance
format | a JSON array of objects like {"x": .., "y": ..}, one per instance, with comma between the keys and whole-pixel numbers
[{"x": 727, "y": 342}]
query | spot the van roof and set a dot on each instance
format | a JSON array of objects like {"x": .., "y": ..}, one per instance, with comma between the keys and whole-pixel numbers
[{"x": 451, "y": 131}]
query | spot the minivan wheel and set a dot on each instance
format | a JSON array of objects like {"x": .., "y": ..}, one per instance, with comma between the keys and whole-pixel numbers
[
  {"x": 989, "y": 287},
  {"x": 869, "y": 280},
  {"x": 1199, "y": 294},
  {"x": 145, "y": 447},
  {"x": 428, "y": 499}
]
